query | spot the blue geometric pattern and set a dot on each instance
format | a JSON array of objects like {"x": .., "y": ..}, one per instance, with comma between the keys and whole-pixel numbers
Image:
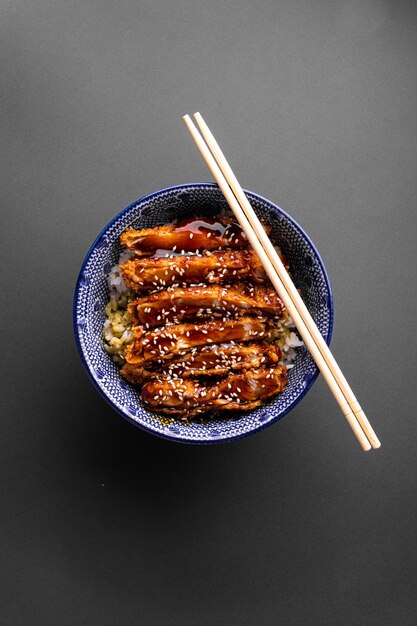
[{"x": 91, "y": 296}]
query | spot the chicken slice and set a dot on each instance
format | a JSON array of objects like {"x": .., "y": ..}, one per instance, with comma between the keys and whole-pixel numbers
[
  {"x": 212, "y": 267},
  {"x": 238, "y": 391},
  {"x": 189, "y": 236},
  {"x": 217, "y": 360},
  {"x": 165, "y": 341},
  {"x": 199, "y": 301}
]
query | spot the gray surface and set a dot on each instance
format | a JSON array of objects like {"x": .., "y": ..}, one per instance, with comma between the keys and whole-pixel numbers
[{"x": 315, "y": 105}]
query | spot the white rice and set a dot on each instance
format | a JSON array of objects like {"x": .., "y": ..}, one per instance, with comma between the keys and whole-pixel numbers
[
  {"x": 288, "y": 342},
  {"x": 290, "y": 345},
  {"x": 117, "y": 287},
  {"x": 117, "y": 327},
  {"x": 284, "y": 335}
]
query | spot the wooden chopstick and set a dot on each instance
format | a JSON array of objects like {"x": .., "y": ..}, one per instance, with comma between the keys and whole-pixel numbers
[
  {"x": 254, "y": 237},
  {"x": 286, "y": 280}
]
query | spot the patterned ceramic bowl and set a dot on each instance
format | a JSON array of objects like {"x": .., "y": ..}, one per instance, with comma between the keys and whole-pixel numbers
[{"x": 91, "y": 296}]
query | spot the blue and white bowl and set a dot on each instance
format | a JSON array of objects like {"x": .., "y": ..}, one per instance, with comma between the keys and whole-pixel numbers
[{"x": 91, "y": 296}]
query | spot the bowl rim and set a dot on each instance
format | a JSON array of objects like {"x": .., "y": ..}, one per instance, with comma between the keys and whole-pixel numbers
[{"x": 172, "y": 436}]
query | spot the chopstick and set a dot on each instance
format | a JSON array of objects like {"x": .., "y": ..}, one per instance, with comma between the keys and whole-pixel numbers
[
  {"x": 282, "y": 283},
  {"x": 286, "y": 280}
]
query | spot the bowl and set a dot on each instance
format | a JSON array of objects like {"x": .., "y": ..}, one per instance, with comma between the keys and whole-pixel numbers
[{"x": 91, "y": 296}]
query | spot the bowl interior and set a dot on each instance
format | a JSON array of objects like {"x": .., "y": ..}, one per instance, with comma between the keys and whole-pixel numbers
[{"x": 91, "y": 296}]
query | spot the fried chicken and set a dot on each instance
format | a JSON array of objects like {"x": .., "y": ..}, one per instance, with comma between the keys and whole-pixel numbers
[
  {"x": 209, "y": 236},
  {"x": 203, "y": 310},
  {"x": 200, "y": 301},
  {"x": 168, "y": 340},
  {"x": 186, "y": 397},
  {"x": 146, "y": 274},
  {"x": 213, "y": 360}
]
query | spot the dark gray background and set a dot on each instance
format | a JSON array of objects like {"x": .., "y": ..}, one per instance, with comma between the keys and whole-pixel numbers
[{"x": 314, "y": 104}]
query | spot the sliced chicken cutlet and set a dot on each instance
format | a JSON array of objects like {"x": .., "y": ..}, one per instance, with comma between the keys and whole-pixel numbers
[
  {"x": 189, "y": 236},
  {"x": 186, "y": 397},
  {"x": 166, "y": 341},
  {"x": 223, "y": 266},
  {"x": 215, "y": 360},
  {"x": 199, "y": 301}
]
